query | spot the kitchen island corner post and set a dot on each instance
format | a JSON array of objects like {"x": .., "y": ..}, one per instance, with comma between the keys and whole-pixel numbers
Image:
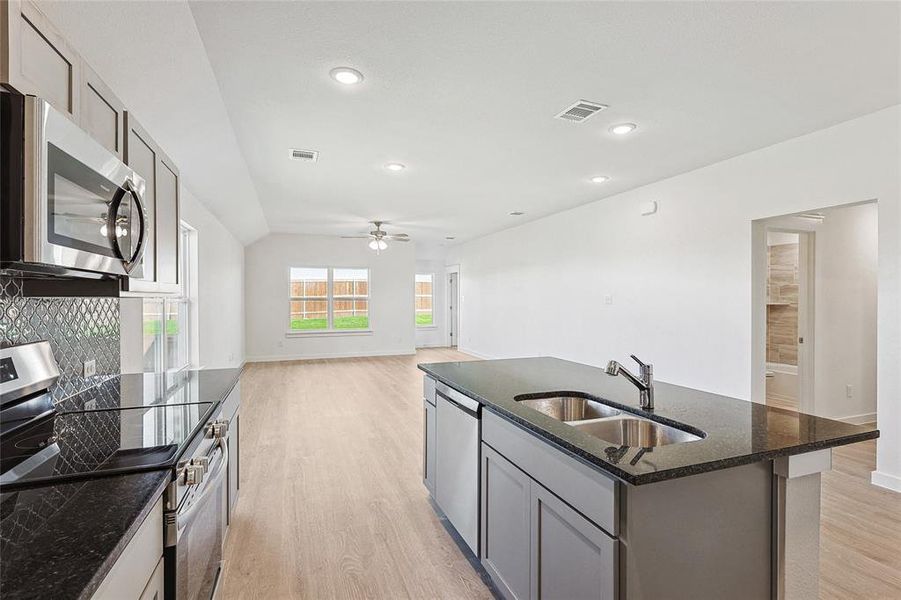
[{"x": 796, "y": 524}]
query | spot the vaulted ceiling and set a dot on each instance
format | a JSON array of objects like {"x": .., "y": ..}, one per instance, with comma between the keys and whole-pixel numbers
[{"x": 464, "y": 94}]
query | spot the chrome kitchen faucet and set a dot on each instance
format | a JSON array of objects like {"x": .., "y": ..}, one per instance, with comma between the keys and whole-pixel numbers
[{"x": 644, "y": 383}]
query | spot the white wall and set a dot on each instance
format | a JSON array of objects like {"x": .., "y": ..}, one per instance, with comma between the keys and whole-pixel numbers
[
  {"x": 680, "y": 280},
  {"x": 267, "y": 263},
  {"x": 845, "y": 312},
  {"x": 436, "y": 336},
  {"x": 220, "y": 296}
]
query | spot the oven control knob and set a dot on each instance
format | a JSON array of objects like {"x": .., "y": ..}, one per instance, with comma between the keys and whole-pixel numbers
[
  {"x": 217, "y": 429},
  {"x": 194, "y": 474},
  {"x": 203, "y": 462}
]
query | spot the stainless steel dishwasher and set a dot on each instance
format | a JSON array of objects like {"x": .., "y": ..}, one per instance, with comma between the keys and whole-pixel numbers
[{"x": 458, "y": 422}]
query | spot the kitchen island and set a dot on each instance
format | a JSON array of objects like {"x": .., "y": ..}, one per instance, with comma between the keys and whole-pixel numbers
[{"x": 704, "y": 496}]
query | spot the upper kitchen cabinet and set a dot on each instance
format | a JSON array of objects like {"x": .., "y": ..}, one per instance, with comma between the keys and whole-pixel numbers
[
  {"x": 161, "y": 201},
  {"x": 101, "y": 113},
  {"x": 36, "y": 59}
]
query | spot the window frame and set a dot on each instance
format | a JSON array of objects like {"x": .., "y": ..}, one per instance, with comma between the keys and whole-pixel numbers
[
  {"x": 330, "y": 329},
  {"x": 415, "y": 296}
]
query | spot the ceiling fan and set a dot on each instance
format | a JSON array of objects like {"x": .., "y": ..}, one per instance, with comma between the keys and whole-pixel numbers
[{"x": 378, "y": 238}]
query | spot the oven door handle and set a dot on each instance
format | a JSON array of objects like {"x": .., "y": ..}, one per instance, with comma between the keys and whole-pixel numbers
[{"x": 185, "y": 516}]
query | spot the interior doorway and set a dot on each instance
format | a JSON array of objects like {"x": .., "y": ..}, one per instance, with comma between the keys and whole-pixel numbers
[
  {"x": 789, "y": 313},
  {"x": 453, "y": 319},
  {"x": 814, "y": 298}
]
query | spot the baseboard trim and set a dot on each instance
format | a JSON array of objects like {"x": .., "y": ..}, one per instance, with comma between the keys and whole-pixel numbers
[
  {"x": 432, "y": 346},
  {"x": 858, "y": 419},
  {"x": 884, "y": 480},
  {"x": 321, "y": 356},
  {"x": 473, "y": 353}
]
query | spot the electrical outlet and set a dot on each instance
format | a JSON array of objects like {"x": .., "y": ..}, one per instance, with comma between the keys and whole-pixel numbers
[
  {"x": 849, "y": 391},
  {"x": 89, "y": 368},
  {"x": 608, "y": 299}
]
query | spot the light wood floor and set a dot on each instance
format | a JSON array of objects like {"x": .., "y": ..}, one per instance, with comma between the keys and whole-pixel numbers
[{"x": 332, "y": 503}]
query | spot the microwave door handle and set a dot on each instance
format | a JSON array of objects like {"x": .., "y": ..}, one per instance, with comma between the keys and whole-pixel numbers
[
  {"x": 111, "y": 222},
  {"x": 135, "y": 259},
  {"x": 184, "y": 517}
]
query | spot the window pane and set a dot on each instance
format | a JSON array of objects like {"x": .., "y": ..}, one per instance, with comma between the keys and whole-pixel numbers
[
  {"x": 350, "y": 282},
  {"x": 351, "y": 314},
  {"x": 309, "y": 304},
  {"x": 176, "y": 335},
  {"x": 423, "y": 290},
  {"x": 153, "y": 335}
]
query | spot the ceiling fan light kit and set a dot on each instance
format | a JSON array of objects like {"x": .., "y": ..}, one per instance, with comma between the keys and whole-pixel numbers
[{"x": 379, "y": 238}]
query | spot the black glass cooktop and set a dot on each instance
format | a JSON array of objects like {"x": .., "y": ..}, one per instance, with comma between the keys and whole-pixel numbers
[{"x": 67, "y": 446}]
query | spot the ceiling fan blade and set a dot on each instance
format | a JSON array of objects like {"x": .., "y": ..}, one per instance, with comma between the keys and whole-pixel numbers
[
  {"x": 400, "y": 235},
  {"x": 394, "y": 238}
]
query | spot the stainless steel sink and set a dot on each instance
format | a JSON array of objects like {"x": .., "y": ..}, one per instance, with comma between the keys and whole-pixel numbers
[
  {"x": 569, "y": 408},
  {"x": 639, "y": 433}
]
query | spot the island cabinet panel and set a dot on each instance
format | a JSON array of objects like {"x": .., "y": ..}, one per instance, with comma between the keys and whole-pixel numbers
[
  {"x": 428, "y": 463},
  {"x": 506, "y": 525},
  {"x": 428, "y": 390},
  {"x": 589, "y": 491},
  {"x": 571, "y": 557},
  {"x": 36, "y": 59}
]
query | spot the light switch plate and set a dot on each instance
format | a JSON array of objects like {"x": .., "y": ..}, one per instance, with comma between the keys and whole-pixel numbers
[{"x": 89, "y": 368}]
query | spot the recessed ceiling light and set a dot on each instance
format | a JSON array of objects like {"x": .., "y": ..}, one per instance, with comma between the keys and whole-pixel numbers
[
  {"x": 346, "y": 75},
  {"x": 623, "y": 128},
  {"x": 450, "y": 237},
  {"x": 517, "y": 213},
  {"x": 599, "y": 179},
  {"x": 395, "y": 167}
]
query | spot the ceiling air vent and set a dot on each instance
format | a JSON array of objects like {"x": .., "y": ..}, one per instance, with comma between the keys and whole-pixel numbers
[
  {"x": 305, "y": 155},
  {"x": 581, "y": 110}
]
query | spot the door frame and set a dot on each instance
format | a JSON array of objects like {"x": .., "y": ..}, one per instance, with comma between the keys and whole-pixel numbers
[
  {"x": 453, "y": 306},
  {"x": 806, "y": 311}
]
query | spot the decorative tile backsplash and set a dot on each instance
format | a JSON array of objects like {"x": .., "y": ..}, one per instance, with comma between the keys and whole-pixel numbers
[{"x": 77, "y": 328}]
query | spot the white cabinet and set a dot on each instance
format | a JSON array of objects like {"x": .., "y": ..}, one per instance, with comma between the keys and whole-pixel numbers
[
  {"x": 161, "y": 201},
  {"x": 36, "y": 59},
  {"x": 155, "y": 588},
  {"x": 139, "y": 562},
  {"x": 231, "y": 410},
  {"x": 101, "y": 113}
]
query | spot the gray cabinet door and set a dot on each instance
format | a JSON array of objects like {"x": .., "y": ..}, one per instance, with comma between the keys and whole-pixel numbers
[
  {"x": 141, "y": 154},
  {"x": 167, "y": 225},
  {"x": 506, "y": 523},
  {"x": 428, "y": 446},
  {"x": 36, "y": 59},
  {"x": 102, "y": 114},
  {"x": 571, "y": 558}
]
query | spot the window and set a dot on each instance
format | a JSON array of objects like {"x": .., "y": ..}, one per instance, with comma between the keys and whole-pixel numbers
[
  {"x": 424, "y": 297},
  {"x": 167, "y": 321},
  {"x": 329, "y": 299}
]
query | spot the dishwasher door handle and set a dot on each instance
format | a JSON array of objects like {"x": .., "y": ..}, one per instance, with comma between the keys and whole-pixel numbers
[{"x": 466, "y": 409}]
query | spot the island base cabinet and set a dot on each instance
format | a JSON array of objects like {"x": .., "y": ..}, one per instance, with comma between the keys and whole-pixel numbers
[
  {"x": 571, "y": 557},
  {"x": 534, "y": 545},
  {"x": 506, "y": 525}
]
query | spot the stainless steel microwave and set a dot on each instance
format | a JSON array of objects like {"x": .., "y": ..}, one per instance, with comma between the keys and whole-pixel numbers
[{"x": 69, "y": 206}]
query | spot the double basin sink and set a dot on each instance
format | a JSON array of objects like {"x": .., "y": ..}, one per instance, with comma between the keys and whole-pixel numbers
[{"x": 606, "y": 422}]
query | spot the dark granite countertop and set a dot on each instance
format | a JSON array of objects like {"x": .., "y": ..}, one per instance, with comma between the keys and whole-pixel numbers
[
  {"x": 737, "y": 432},
  {"x": 148, "y": 389},
  {"x": 60, "y": 541}
]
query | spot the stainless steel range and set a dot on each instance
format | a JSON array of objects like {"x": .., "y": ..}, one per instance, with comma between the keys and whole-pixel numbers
[{"x": 40, "y": 445}]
